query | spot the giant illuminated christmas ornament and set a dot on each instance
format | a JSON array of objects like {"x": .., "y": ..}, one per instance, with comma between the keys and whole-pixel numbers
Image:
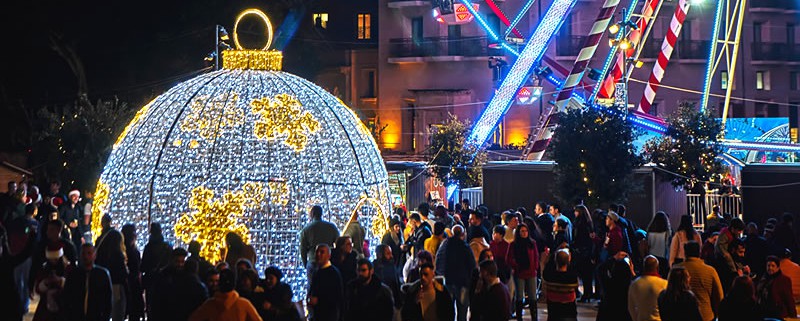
[{"x": 248, "y": 149}]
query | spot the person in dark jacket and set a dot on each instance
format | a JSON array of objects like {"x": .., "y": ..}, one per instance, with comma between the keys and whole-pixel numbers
[
  {"x": 387, "y": 272},
  {"x": 582, "y": 249},
  {"x": 421, "y": 231},
  {"x": 677, "y": 302},
  {"x": 51, "y": 239},
  {"x": 740, "y": 302},
  {"x": 277, "y": 304},
  {"x": 110, "y": 255},
  {"x": 155, "y": 257},
  {"x": 366, "y": 298},
  {"x": 775, "y": 292},
  {"x": 317, "y": 231},
  {"x": 427, "y": 299},
  {"x": 135, "y": 304},
  {"x": 325, "y": 290},
  {"x": 455, "y": 262},
  {"x": 176, "y": 291},
  {"x": 203, "y": 266},
  {"x": 72, "y": 214},
  {"x": 495, "y": 301},
  {"x": 344, "y": 258},
  {"x": 87, "y": 290},
  {"x": 394, "y": 239},
  {"x": 10, "y": 303},
  {"x": 616, "y": 280},
  {"x": 757, "y": 250}
]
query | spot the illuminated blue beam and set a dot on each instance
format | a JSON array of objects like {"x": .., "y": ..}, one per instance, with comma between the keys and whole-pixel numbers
[
  {"x": 761, "y": 146},
  {"x": 530, "y": 56},
  {"x": 712, "y": 55},
  {"x": 612, "y": 53},
  {"x": 519, "y": 17}
]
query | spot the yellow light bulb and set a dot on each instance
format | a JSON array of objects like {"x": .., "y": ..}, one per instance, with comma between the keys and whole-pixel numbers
[{"x": 613, "y": 29}]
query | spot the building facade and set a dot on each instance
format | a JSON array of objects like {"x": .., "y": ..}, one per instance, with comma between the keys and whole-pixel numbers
[{"x": 417, "y": 71}]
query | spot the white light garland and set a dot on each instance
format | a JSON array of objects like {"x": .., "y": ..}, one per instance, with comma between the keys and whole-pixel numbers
[{"x": 202, "y": 136}]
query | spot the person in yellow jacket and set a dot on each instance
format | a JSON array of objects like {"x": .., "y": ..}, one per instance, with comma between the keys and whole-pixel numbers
[
  {"x": 226, "y": 305},
  {"x": 432, "y": 243}
]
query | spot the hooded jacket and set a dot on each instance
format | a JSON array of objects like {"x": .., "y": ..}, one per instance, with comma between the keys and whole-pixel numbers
[{"x": 225, "y": 306}]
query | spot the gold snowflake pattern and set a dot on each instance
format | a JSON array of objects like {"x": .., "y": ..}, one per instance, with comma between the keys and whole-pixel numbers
[
  {"x": 99, "y": 204},
  {"x": 211, "y": 219},
  {"x": 282, "y": 117},
  {"x": 210, "y": 116},
  {"x": 278, "y": 193}
]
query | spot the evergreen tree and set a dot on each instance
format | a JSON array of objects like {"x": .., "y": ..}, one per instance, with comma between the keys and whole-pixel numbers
[
  {"x": 690, "y": 146},
  {"x": 595, "y": 157},
  {"x": 451, "y": 161}
]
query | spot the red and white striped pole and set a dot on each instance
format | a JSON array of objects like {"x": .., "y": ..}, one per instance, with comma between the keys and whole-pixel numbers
[
  {"x": 573, "y": 78},
  {"x": 663, "y": 57},
  {"x": 609, "y": 83},
  {"x": 586, "y": 53}
]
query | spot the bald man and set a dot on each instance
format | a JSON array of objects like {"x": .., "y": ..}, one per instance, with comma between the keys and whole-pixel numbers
[{"x": 643, "y": 292}]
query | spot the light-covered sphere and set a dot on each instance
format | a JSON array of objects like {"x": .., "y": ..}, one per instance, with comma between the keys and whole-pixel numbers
[{"x": 247, "y": 151}]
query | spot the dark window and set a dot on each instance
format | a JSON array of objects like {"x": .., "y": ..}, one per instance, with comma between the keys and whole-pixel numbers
[
  {"x": 371, "y": 83},
  {"x": 737, "y": 110},
  {"x": 454, "y": 40},
  {"x": 757, "y": 32},
  {"x": 793, "y": 80},
  {"x": 416, "y": 29},
  {"x": 773, "y": 111},
  {"x": 790, "y": 33},
  {"x": 653, "y": 109}
]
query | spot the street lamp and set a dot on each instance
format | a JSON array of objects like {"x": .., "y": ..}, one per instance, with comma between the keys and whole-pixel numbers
[
  {"x": 623, "y": 43},
  {"x": 220, "y": 36}
]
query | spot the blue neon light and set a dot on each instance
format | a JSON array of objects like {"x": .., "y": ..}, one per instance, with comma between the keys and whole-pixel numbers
[
  {"x": 529, "y": 57},
  {"x": 612, "y": 54},
  {"x": 519, "y": 16},
  {"x": 711, "y": 54}
]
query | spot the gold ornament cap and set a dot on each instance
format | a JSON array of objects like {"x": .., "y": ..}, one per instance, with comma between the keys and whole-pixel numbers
[{"x": 252, "y": 59}]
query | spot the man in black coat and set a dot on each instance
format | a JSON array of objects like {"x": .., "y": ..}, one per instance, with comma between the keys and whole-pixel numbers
[
  {"x": 492, "y": 301},
  {"x": 367, "y": 298},
  {"x": 72, "y": 214},
  {"x": 325, "y": 293},
  {"x": 386, "y": 271},
  {"x": 87, "y": 291}
]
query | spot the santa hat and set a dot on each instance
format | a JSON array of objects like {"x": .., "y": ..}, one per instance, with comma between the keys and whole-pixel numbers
[
  {"x": 74, "y": 192},
  {"x": 54, "y": 251}
]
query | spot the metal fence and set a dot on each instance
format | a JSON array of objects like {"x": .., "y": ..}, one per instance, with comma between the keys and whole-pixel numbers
[
  {"x": 473, "y": 194},
  {"x": 700, "y": 206},
  {"x": 442, "y": 46}
]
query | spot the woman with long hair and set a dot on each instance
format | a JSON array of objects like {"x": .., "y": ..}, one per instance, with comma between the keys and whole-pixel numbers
[
  {"x": 582, "y": 247},
  {"x": 658, "y": 234},
  {"x": 677, "y": 302},
  {"x": 740, "y": 302},
  {"x": 683, "y": 235},
  {"x": 237, "y": 249},
  {"x": 524, "y": 260}
]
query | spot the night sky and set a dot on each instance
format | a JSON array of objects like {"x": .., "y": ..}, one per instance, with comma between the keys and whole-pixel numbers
[{"x": 132, "y": 50}]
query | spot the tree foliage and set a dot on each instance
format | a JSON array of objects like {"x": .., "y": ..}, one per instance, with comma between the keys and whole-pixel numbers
[
  {"x": 595, "y": 157},
  {"x": 73, "y": 143},
  {"x": 452, "y": 161},
  {"x": 690, "y": 146}
]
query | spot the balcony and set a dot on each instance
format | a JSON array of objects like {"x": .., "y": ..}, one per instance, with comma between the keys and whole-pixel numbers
[
  {"x": 397, "y": 4},
  {"x": 693, "y": 50},
  {"x": 773, "y": 6},
  {"x": 569, "y": 46},
  {"x": 772, "y": 52},
  {"x": 440, "y": 49}
]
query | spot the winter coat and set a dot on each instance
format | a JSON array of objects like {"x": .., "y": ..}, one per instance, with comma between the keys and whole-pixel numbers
[
  {"x": 225, "y": 306},
  {"x": 87, "y": 301},
  {"x": 412, "y": 309},
  {"x": 455, "y": 262},
  {"x": 368, "y": 302}
]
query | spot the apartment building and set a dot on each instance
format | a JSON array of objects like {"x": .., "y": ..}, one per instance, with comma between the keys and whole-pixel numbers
[{"x": 421, "y": 70}]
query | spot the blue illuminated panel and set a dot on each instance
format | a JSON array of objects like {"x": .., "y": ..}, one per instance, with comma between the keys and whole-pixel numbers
[{"x": 529, "y": 57}]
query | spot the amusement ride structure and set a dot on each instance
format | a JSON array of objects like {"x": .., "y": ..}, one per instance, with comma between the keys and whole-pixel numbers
[{"x": 610, "y": 91}]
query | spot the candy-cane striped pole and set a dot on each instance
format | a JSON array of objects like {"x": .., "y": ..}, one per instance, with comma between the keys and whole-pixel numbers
[
  {"x": 663, "y": 57},
  {"x": 587, "y": 52},
  {"x": 545, "y": 132},
  {"x": 609, "y": 83}
]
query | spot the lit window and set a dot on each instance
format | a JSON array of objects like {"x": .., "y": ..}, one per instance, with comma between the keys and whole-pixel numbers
[
  {"x": 364, "y": 25},
  {"x": 759, "y": 80},
  {"x": 724, "y": 77},
  {"x": 320, "y": 20}
]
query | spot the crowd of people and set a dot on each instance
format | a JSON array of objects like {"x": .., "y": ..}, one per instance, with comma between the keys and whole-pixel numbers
[{"x": 433, "y": 264}]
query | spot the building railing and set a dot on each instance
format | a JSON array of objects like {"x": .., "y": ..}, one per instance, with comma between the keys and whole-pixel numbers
[
  {"x": 773, "y": 4},
  {"x": 569, "y": 46},
  {"x": 700, "y": 206},
  {"x": 441, "y": 46},
  {"x": 473, "y": 194},
  {"x": 771, "y": 51},
  {"x": 693, "y": 49}
]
